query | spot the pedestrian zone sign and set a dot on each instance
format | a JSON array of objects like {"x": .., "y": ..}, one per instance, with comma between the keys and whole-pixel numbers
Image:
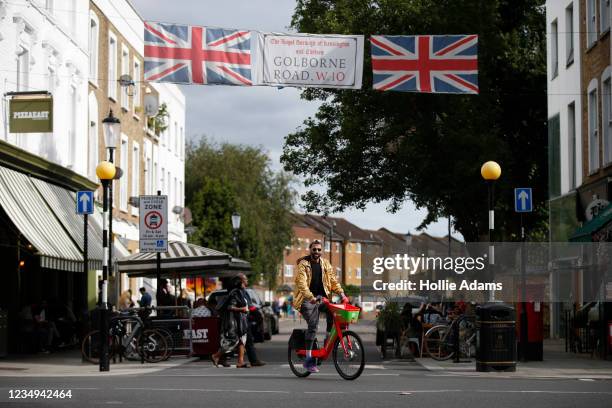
[
  {"x": 84, "y": 202},
  {"x": 153, "y": 223},
  {"x": 523, "y": 200}
]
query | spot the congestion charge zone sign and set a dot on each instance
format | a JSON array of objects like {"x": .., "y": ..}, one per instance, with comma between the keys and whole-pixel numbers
[{"x": 153, "y": 223}]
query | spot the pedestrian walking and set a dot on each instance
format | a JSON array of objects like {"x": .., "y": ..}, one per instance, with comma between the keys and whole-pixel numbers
[{"x": 233, "y": 310}]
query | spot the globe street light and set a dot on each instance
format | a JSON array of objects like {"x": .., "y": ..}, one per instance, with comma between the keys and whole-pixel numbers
[
  {"x": 491, "y": 171},
  {"x": 106, "y": 172},
  {"x": 236, "y": 227},
  {"x": 112, "y": 130}
]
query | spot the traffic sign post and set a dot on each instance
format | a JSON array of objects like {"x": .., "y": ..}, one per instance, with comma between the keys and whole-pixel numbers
[
  {"x": 153, "y": 223},
  {"x": 84, "y": 202},
  {"x": 523, "y": 200},
  {"x": 523, "y": 203}
]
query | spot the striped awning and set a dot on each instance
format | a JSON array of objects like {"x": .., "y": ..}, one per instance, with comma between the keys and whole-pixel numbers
[
  {"x": 63, "y": 204},
  {"x": 186, "y": 259},
  {"x": 45, "y": 215}
]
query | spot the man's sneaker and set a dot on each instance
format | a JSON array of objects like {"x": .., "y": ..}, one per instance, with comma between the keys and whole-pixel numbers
[
  {"x": 310, "y": 365},
  {"x": 258, "y": 363}
]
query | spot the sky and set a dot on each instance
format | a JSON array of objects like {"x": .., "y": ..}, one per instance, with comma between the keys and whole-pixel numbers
[{"x": 261, "y": 116}]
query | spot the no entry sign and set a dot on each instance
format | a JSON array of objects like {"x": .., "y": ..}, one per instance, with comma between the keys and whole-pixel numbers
[{"x": 153, "y": 223}]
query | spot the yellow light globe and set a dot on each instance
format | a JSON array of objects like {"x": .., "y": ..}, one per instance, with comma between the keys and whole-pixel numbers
[
  {"x": 105, "y": 170},
  {"x": 490, "y": 171}
]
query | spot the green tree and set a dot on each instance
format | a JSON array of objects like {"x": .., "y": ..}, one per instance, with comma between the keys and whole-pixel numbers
[
  {"x": 223, "y": 178},
  {"x": 366, "y": 145}
]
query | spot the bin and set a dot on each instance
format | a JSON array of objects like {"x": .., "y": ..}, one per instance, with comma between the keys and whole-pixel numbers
[
  {"x": 3, "y": 333},
  {"x": 496, "y": 338},
  {"x": 204, "y": 335}
]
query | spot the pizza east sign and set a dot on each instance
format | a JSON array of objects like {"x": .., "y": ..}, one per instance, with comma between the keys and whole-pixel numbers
[{"x": 31, "y": 115}]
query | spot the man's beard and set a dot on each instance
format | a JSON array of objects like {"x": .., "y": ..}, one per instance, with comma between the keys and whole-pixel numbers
[{"x": 315, "y": 256}]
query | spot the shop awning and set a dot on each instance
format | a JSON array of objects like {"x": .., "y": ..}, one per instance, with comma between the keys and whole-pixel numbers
[
  {"x": 583, "y": 234},
  {"x": 45, "y": 215},
  {"x": 63, "y": 204},
  {"x": 184, "y": 259}
]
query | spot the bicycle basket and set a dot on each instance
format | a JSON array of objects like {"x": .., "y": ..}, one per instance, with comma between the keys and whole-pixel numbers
[{"x": 346, "y": 313}]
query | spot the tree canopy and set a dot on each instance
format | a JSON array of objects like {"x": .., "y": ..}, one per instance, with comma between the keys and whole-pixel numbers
[
  {"x": 367, "y": 145},
  {"x": 221, "y": 179}
]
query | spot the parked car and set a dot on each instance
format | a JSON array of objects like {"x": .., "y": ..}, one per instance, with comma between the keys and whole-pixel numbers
[
  {"x": 270, "y": 318},
  {"x": 260, "y": 326}
]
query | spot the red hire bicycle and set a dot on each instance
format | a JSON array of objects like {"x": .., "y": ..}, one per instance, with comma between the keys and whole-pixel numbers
[{"x": 345, "y": 346}]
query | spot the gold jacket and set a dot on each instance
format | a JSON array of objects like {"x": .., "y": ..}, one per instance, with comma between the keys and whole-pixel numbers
[{"x": 302, "y": 282}]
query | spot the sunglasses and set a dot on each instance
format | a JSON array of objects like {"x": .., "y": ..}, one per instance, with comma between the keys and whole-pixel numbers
[{"x": 316, "y": 249}]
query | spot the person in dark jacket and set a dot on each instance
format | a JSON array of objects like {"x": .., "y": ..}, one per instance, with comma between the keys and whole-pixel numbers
[{"x": 234, "y": 326}]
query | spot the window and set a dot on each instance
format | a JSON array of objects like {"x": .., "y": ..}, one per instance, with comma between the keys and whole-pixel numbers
[
  {"x": 571, "y": 144},
  {"x": 554, "y": 159},
  {"x": 93, "y": 136},
  {"x": 358, "y": 248},
  {"x": 162, "y": 180},
  {"x": 176, "y": 139},
  {"x": 112, "y": 67},
  {"x": 135, "y": 173},
  {"x": 148, "y": 170},
  {"x": 51, "y": 78},
  {"x": 72, "y": 127},
  {"x": 168, "y": 181},
  {"x": 606, "y": 114},
  {"x": 49, "y": 6},
  {"x": 604, "y": 15},
  {"x": 554, "y": 49},
  {"x": 182, "y": 144},
  {"x": 125, "y": 70},
  {"x": 155, "y": 182},
  {"x": 94, "y": 36},
  {"x": 337, "y": 247},
  {"x": 358, "y": 273},
  {"x": 176, "y": 196},
  {"x": 181, "y": 192},
  {"x": 23, "y": 70},
  {"x": 123, "y": 181},
  {"x": 569, "y": 34},
  {"x": 591, "y": 22},
  {"x": 288, "y": 271},
  {"x": 137, "y": 101},
  {"x": 327, "y": 246},
  {"x": 593, "y": 132}
]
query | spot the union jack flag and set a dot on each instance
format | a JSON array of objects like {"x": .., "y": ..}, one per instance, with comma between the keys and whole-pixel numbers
[
  {"x": 199, "y": 55},
  {"x": 425, "y": 63}
]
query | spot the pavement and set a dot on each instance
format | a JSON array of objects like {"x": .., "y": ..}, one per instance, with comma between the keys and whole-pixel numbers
[
  {"x": 556, "y": 364},
  {"x": 188, "y": 382}
]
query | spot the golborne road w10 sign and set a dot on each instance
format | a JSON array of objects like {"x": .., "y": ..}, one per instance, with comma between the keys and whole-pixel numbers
[{"x": 153, "y": 223}]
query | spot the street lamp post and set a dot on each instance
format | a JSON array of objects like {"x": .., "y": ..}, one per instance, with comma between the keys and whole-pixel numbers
[
  {"x": 235, "y": 228},
  {"x": 105, "y": 172},
  {"x": 491, "y": 171},
  {"x": 112, "y": 129}
]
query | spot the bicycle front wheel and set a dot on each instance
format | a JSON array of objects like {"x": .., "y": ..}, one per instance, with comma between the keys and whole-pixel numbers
[
  {"x": 349, "y": 355},
  {"x": 152, "y": 344},
  {"x": 438, "y": 344},
  {"x": 91, "y": 347}
]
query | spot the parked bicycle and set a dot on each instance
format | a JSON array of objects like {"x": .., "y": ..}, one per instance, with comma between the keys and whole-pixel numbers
[
  {"x": 440, "y": 339},
  {"x": 127, "y": 337},
  {"x": 345, "y": 346}
]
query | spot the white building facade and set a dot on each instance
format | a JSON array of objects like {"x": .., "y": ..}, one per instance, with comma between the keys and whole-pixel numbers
[
  {"x": 170, "y": 157},
  {"x": 44, "y": 47},
  {"x": 564, "y": 101}
]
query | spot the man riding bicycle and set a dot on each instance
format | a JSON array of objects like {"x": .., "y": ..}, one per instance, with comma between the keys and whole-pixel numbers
[{"x": 315, "y": 278}]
